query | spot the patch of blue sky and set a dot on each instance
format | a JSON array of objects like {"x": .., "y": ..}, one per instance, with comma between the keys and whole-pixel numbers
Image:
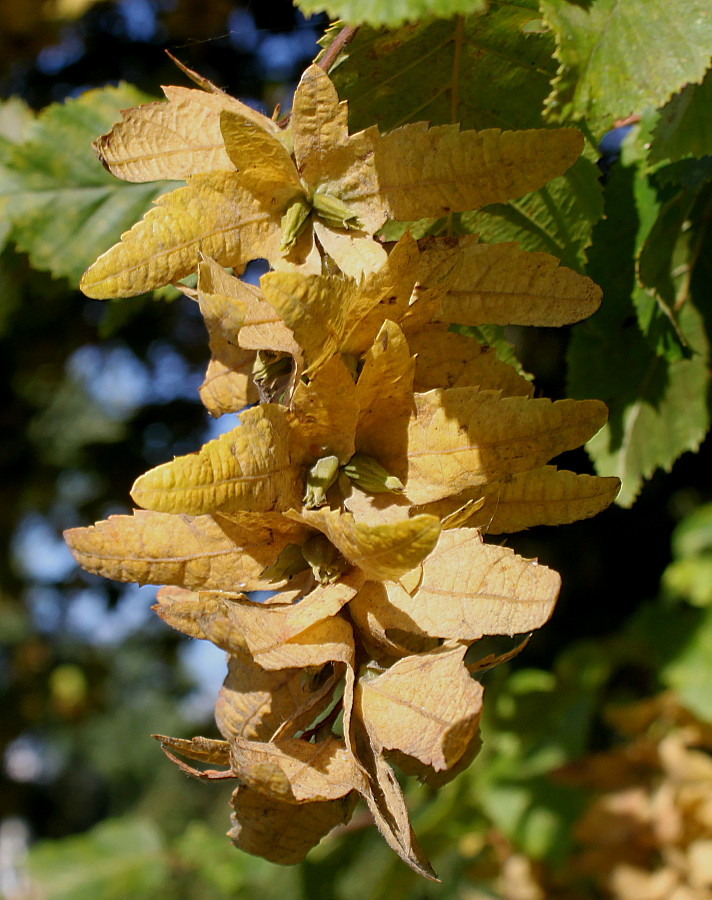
[
  {"x": 89, "y": 617},
  {"x": 138, "y": 19},
  {"x": 215, "y": 427},
  {"x": 254, "y": 270},
  {"x": 171, "y": 377},
  {"x": 280, "y": 54},
  {"x": 46, "y": 606},
  {"x": 52, "y": 59},
  {"x": 244, "y": 34},
  {"x": 113, "y": 376},
  {"x": 207, "y": 667},
  {"x": 38, "y": 553}
]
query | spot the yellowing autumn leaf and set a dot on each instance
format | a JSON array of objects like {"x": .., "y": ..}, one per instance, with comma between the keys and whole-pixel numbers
[
  {"x": 247, "y": 469},
  {"x": 254, "y": 702},
  {"x": 186, "y": 611},
  {"x": 470, "y": 589},
  {"x": 427, "y": 706},
  {"x": 384, "y": 629},
  {"x": 323, "y": 414},
  {"x": 265, "y": 628},
  {"x": 339, "y": 189},
  {"x": 545, "y": 496},
  {"x": 294, "y": 770},
  {"x": 444, "y": 359},
  {"x": 228, "y": 385},
  {"x": 212, "y": 216},
  {"x": 172, "y": 139},
  {"x": 460, "y": 438},
  {"x": 384, "y": 798},
  {"x": 383, "y": 552},
  {"x": 283, "y": 832},
  {"x": 318, "y": 309},
  {"x": 423, "y": 172},
  {"x": 197, "y": 552},
  {"x": 501, "y": 284},
  {"x": 385, "y": 395}
]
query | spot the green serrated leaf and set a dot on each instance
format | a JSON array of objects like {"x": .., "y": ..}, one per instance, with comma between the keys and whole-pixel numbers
[
  {"x": 685, "y": 125},
  {"x": 482, "y": 71},
  {"x": 390, "y": 12},
  {"x": 618, "y": 58},
  {"x": 64, "y": 208},
  {"x": 557, "y": 219},
  {"x": 658, "y": 407},
  {"x": 688, "y": 173},
  {"x": 663, "y": 273}
]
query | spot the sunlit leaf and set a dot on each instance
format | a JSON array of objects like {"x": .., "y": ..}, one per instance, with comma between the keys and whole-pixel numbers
[
  {"x": 253, "y": 702},
  {"x": 470, "y": 589},
  {"x": 446, "y": 359},
  {"x": 199, "y": 552},
  {"x": 607, "y": 70},
  {"x": 427, "y": 706},
  {"x": 383, "y": 552},
  {"x": 247, "y": 469},
  {"x": 545, "y": 496},
  {"x": 459, "y": 438},
  {"x": 294, "y": 770},
  {"x": 172, "y": 139}
]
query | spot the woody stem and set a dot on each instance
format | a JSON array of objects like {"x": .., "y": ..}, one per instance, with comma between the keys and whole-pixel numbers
[{"x": 345, "y": 36}]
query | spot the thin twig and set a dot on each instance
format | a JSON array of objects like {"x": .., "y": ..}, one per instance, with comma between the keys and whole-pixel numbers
[{"x": 344, "y": 37}]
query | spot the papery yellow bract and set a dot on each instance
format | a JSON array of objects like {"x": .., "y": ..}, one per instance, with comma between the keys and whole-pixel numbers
[{"x": 383, "y": 446}]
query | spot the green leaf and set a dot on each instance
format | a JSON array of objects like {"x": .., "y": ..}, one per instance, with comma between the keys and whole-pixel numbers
[
  {"x": 618, "y": 58},
  {"x": 663, "y": 273},
  {"x": 688, "y": 173},
  {"x": 15, "y": 119},
  {"x": 534, "y": 722},
  {"x": 389, "y": 12},
  {"x": 488, "y": 71},
  {"x": 557, "y": 219},
  {"x": 117, "y": 859},
  {"x": 689, "y": 674},
  {"x": 689, "y": 575},
  {"x": 685, "y": 125},
  {"x": 658, "y": 407},
  {"x": 694, "y": 533},
  {"x": 677, "y": 640},
  {"x": 64, "y": 208}
]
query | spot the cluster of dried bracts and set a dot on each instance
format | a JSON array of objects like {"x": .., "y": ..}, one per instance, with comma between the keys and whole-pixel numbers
[{"x": 383, "y": 443}]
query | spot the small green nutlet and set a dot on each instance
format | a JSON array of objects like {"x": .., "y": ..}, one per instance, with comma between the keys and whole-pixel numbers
[
  {"x": 326, "y": 562},
  {"x": 334, "y": 211},
  {"x": 370, "y": 475},
  {"x": 294, "y": 221},
  {"x": 319, "y": 479},
  {"x": 271, "y": 373},
  {"x": 289, "y": 562}
]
